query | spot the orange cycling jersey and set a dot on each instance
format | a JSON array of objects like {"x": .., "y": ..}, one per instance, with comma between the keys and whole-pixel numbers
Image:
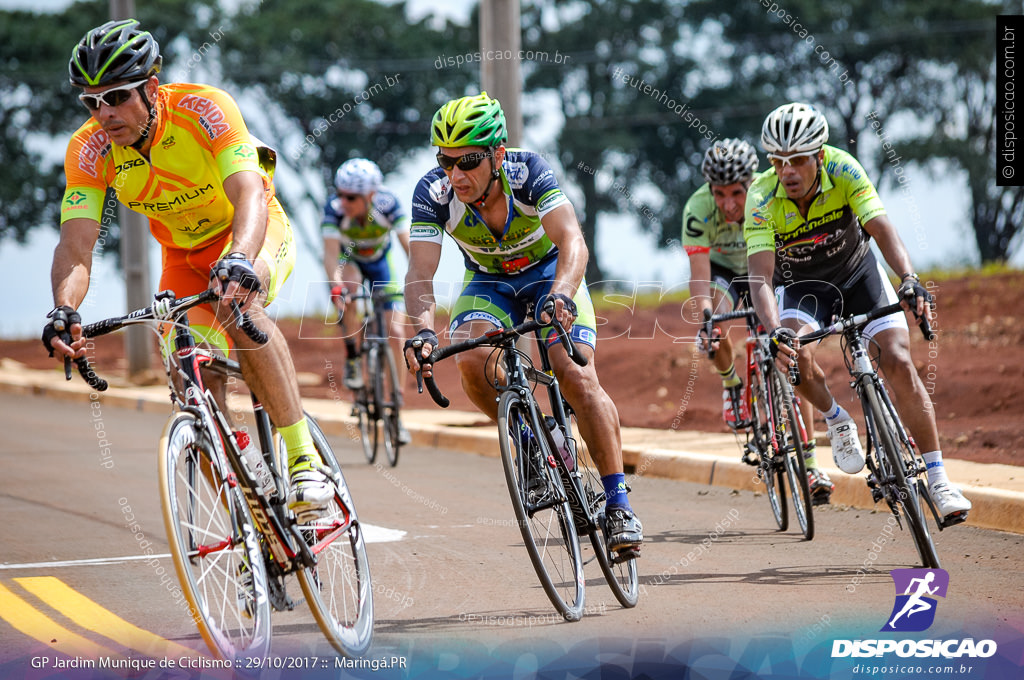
[{"x": 199, "y": 141}]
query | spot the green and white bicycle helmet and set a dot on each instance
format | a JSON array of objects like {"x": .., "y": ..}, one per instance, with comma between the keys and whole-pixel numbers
[{"x": 469, "y": 121}]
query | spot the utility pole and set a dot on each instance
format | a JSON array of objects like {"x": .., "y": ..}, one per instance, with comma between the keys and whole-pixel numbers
[
  {"x": 134, "y": 259},
  {"x": 501, "y": 31}
]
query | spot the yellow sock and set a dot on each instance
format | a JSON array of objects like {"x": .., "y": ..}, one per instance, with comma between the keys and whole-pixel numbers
[
  {"x": 299, "y": 443},
  {"x": 729, "y": 376}
]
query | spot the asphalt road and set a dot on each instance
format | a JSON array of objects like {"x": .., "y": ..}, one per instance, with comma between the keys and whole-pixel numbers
[{"x": 454, "y": 589}]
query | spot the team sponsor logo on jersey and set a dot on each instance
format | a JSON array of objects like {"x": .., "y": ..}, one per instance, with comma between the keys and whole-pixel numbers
[
  {"x": 74, "y": 198},
  {"x": 128, "y": 165},
  {"x": 179, "y": 202},
  {"x": 168, "y": 143},
  {"x": 550, "y": 201},
  {"x": 516, "y": 173},
  {"x": 210, "y": 115},
  {"x": 584, "y": 335},
  {"x": 440, "y": 190},
  {"x": 424, "y": 231},
  {"x": 481, "y": 316},
  {"x": 96, "y": 147}
]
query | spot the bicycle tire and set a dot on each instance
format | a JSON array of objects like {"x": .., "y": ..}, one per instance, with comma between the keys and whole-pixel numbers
[
  {"x": 339, "y": 589},
  {"x": 213, "y": 543},
  {"x": 549, "y": 531},
  {"x": 386, "y": 387},
  {"x": 769, "y": 472},
  {"x": 373, "y": 403},
  {"x": 622, "y": 576},
  {"x": 787, "y": 433},
  {"x": 909, "y": 495}
]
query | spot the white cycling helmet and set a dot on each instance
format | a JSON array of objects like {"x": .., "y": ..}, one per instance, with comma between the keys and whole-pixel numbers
[
  {"x": 729, "y": 161},
  {"x": 794, "y": 128},
  {"x": 358, "y": 176}
]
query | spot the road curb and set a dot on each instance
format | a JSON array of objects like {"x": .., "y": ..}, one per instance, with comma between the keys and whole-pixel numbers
[{"x": 994, "y": 507}]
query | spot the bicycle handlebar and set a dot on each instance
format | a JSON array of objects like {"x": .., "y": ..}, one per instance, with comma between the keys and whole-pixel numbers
[
  {"x": 165, "y": 306},
  {"x": 859, "y": 320},
  {"x": 494, "y": 338},
  {"x": 710, "y": 321}
]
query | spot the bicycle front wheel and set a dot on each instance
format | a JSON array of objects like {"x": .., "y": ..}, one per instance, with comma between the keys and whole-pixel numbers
[
  {"x": 791, "y": 447},
  {"x": 213, "y": 544},
  {"x": 338, "y": 589},
  {"x": 769, "y": 470},
  {"x": 909, "y": 494},
  {"x": 621, "y": 575},
  {"x": 541, "y": 505}
]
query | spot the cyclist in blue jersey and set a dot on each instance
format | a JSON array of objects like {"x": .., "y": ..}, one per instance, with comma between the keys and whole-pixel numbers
[
  {"x": 522, "y": 246},
  {"x": 809, "y": 223},
  {"x": 357, "y": 226}
]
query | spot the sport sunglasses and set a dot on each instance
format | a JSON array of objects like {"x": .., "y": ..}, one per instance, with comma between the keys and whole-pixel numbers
[
  {"x": 783, "y": 161},
  {"x": 467, "y": 162},
  {"x": 114, "y": 96}
]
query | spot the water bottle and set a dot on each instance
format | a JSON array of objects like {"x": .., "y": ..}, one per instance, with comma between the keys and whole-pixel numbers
[
  {"x": 253, "y": 458},
  {"x": 561, "y": 444}
]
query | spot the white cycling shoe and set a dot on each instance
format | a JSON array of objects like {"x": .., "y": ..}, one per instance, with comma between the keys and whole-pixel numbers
[
  {"x": 846, "y": 449},
  {"x": 311, "y": 492},
  {"x": 948, "y": 500}
]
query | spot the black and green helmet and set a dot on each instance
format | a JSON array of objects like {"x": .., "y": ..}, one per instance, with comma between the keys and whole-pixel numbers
[
  {"x": 115, "y": 52},
  {"x": 469, "y": 121}
]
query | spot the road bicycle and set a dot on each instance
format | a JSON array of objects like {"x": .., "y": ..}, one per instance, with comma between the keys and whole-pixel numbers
[
  {"x": 232, "y": 538},
  {"x": 895, "y": 467},
  {"x": 775, "y": 433},
  {"x": 556, "y": 490},
  {"x": 378, "y": 403}
]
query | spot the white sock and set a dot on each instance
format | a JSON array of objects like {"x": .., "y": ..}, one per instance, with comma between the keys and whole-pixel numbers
[
  {"x": 936, "y": 469},
  {"x": 835, "y": 413}
]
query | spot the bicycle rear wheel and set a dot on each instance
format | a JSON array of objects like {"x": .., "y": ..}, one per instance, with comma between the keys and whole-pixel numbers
[
  {"x": 769, "y": 470},
  {"x": 387, "y": 399},
  {"x": 909, "y": 494},
  {"x": 791, "y": 446},
  {"x": 361, "y": 411},
  {"x": 541, "y": 505},
  {"x": 213, "y": 544},
  {"x": 622, "y": 575},
  {"x": 338, "y": 589}
]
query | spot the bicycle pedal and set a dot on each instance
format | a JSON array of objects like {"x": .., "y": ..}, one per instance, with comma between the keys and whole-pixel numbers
[
  {"x": 953, "y": 520},
  {"x": 821, "y": 499},
  {"x": 626, "y": 555}
]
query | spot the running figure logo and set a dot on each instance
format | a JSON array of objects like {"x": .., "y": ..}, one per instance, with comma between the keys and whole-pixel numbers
[{"x": 916, "y": 590}]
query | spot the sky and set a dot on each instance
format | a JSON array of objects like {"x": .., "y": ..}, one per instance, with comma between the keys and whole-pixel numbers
[{"x": 931, "y": 218}]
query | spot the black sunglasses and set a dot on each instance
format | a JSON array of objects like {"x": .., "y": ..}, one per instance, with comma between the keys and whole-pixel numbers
[
  {"x": 464, "y": 163},
  {"x": 348, "y": 197},
  {"x": 114, "y": 96}
]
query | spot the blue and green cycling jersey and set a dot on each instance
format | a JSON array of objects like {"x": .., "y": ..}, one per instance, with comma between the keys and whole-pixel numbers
[
  {"x": 368, "y": 242},
  {"x": 830, "y": 244},
  {"x": 529, "y": 186}
]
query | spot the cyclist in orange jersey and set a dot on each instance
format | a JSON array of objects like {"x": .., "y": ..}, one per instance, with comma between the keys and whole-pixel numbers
[{"x": 181, "y": 155}]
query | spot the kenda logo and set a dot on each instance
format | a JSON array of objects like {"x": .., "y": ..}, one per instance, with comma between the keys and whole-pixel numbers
[
  {"x": 949, "y": 649},
  {"x": 914, "y": 609}
]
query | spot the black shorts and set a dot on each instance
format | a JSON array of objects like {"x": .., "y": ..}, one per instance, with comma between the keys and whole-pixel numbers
[
  {"x": 736, "y": 287},
  {"x": 818, "y": 303}
]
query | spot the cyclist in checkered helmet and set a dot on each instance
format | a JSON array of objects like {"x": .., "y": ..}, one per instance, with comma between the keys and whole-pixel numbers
[
  {"x": 809, "y": 223},
  {"x": 181, "y": 155},
  {"x": 358, "y": 224},
  {"x": 522, "y": 246}
]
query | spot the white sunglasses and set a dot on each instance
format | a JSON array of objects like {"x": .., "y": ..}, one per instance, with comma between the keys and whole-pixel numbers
[
  {"x": 120, "y": 95},
  {"x": 787, "y": 160}
]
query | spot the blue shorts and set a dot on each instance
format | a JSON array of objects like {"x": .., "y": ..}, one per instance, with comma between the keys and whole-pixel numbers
[
  {"x": 504, "y": 301},
  {"x": 380, "y": 274}
]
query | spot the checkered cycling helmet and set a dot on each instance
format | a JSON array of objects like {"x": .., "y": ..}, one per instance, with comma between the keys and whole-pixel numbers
[
  {"x": 794, "y": 128},
  {"x": 358, "y": 176},
  {"x": 115, "y": 52},
  {"x": 469, "y": 121},
  {"x": 729, "y": 161}
]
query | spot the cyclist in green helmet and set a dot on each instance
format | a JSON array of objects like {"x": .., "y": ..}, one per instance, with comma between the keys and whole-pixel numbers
[{"x": 522, "y": 246}]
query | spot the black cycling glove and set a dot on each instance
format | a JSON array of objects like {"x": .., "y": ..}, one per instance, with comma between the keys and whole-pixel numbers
[
  {"x": 417, "y": 341},
  {"x": 780, "y": 335},
  {"x": 235, "y": 267},
  {"x": 61, "y": 320}
]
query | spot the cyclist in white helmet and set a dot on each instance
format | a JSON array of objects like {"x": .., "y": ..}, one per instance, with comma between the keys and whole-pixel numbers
[
  {"x": 713, "y": 240},
  {"x": 809, "y": 222},
  {"x": 357, "y": 226}
]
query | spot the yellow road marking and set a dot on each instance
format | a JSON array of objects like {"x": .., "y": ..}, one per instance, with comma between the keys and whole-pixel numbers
[
  {"x": 98, "y": 619},
  {"x": 33, "y": 623}
]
